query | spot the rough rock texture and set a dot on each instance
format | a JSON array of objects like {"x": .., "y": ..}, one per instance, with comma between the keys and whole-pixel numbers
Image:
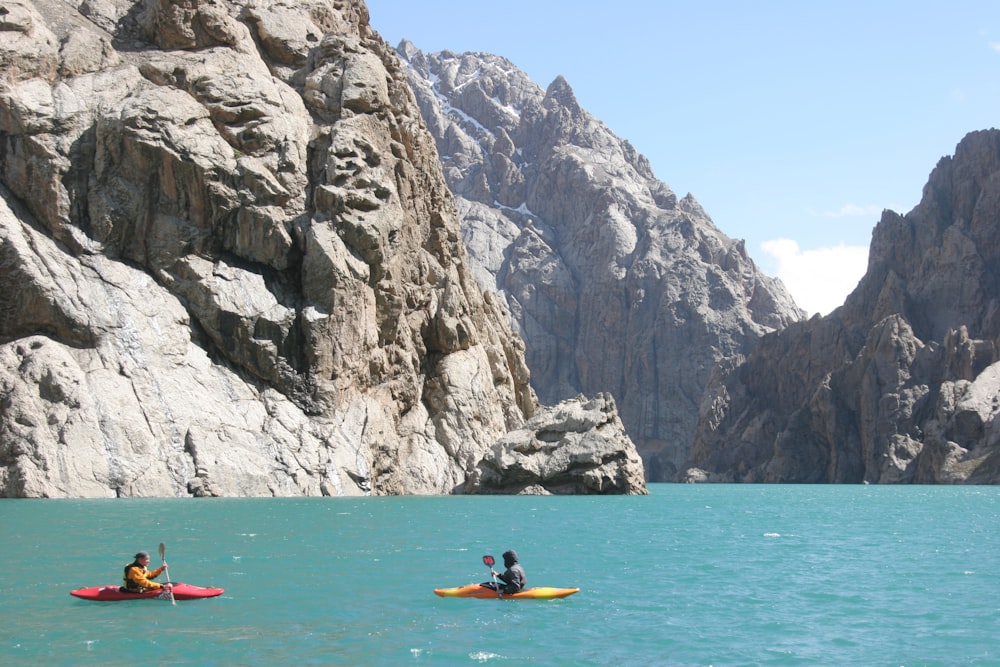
[
  {"x": 230, "y": 261},
  {"x": 901, "y": 384},
  {"x": 576, "y": 447},
  {"x": 614, "y": 283}
]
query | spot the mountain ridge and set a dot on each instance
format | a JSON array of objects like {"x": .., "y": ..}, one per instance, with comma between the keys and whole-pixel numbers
[
  {"x": 614, "y": 283},
  {"x": 899, "y": 384}
]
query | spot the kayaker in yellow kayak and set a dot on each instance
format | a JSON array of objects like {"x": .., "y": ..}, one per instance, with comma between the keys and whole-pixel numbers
[
  {"x": 513, "y": 578},
  {"x": 137, "y": 578}
]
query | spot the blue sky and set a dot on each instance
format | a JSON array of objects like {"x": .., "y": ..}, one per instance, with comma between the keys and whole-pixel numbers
[{"x": 794, "y": 123}]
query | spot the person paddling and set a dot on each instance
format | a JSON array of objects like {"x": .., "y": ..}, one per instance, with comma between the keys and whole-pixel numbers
[
  {"x": 138, "y": 579},
  {"x": 514, "y": 580}
]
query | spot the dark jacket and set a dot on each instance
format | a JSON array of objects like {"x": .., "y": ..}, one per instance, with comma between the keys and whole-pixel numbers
[{"x": 514, "y": 578}]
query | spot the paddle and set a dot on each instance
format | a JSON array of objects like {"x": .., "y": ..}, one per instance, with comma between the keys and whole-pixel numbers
[
  {"x": 489, "y": 561},
  {"x": 163, "y": 550}
]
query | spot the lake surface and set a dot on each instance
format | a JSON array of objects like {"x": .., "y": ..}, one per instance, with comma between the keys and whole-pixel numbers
[{"x": 690, "y": 575}]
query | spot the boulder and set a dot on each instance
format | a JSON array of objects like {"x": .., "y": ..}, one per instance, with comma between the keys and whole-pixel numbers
[{"x": 577, "y": 447}]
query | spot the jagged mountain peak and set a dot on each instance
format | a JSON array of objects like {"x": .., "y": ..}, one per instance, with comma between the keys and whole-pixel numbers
[
  {"x": 901, "y": 383},
  {"x": 562, "y": 93},
  {"x": 413, "y": 56},
  {"x": 622, "y": 287},
  {"x": 691, "y": 205}
]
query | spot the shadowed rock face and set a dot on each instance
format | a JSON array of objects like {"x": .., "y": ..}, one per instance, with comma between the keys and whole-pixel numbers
[
  {"x": 901, "y": 383},
  {"x": 231, "y": 263},
  {"x": 614, "y": 283}
]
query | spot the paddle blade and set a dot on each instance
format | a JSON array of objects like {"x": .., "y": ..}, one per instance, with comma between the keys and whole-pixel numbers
[
  {"x": 488, "y": 560},
  {"x": 163, "y": 550}
]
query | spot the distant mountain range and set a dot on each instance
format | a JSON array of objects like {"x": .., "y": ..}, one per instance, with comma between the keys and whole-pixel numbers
[
  {"x": 253, "y": 250},
  {"x": 614, "y": 282},
  {"x": 617, "y": 285}
]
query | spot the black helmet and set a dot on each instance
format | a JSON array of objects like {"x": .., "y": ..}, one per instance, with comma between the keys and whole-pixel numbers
[{"x": 509, "y": 558}]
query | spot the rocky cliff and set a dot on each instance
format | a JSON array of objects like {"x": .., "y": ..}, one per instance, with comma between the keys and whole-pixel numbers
[
  {"x": 231, "y": 265},
  {"x": 615, "y": 284},
  {"x": 899, "y": 385}
]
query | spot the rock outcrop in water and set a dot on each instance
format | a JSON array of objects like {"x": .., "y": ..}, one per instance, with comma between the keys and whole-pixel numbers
[
  {"x": 231, "y": 265},
  {"x": 899, "y": 385},
  {"x": 615, "y": 284},
  {"x": 571, "y": 448}
]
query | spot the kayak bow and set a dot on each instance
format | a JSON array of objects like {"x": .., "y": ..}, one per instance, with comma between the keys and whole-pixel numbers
[
  {"x": 485, "y": 592},
  {"x": 114, "y": 594}
]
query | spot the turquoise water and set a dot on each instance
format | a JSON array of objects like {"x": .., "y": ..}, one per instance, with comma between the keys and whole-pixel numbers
[{"x": 690, "y": 575}]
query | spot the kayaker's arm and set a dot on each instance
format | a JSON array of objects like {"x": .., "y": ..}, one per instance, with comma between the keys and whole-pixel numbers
[
  {"x": 514, "y": 576},
  {"x": 136, "y": 575}
]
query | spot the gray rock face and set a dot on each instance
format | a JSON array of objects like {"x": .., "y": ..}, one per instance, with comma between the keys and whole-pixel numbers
[
  {"x": 576, "y": 447},
  {"x": 899, "y": 385},
  {"x": 614, "y": 283},
  {"x": 230, "y": 261}
]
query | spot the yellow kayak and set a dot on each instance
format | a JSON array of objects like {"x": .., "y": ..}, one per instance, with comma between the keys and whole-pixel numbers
[{"x": 480, "y": 591}]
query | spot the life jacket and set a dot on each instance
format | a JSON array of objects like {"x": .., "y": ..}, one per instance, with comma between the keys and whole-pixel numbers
[{"x": 129, "y": 586}]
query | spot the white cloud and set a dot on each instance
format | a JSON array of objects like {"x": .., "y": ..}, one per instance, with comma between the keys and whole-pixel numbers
[{"x": 819, "y": 279}]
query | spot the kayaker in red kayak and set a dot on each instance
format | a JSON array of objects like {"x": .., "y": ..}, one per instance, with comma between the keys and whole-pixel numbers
[
  {"x": 514, "y": 579},
  {"x": 137, "y": 579}
]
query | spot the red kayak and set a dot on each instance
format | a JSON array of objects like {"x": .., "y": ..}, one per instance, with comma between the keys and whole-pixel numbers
[{"x": 114, "y": 593}]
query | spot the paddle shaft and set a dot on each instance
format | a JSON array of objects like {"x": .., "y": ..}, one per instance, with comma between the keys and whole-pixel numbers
[{"x": 163, "y": 550}]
